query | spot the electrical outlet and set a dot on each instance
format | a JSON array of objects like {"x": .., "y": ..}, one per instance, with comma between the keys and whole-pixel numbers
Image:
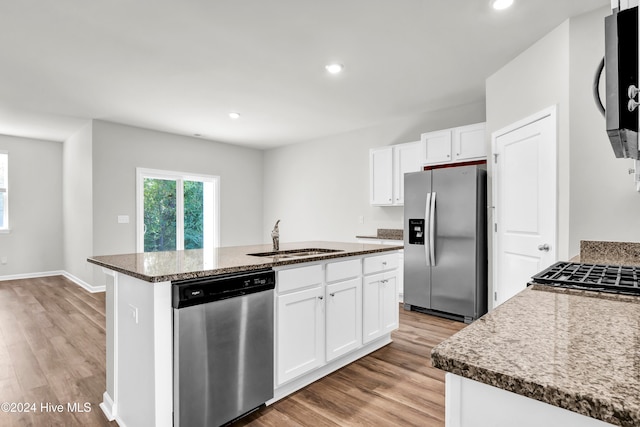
[
  {"x": 361, "y": 219},
  {"x": 4, "y": 260},
  {"x": 134, "y": 313},
  {"x": 123, "y": 219}
]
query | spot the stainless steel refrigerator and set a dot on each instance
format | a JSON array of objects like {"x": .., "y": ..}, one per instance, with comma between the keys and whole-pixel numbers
[{"x": 445, "y": 242}]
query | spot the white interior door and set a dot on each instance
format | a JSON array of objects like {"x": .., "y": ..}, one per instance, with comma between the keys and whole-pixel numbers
[{"x": 524, "y": 194}]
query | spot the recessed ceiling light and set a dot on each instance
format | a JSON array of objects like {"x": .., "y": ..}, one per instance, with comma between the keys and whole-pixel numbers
[
  {"x": 501, "y": 4},
  {"x": 334, "y": 68},
  {"x": 234, "y": 115}
]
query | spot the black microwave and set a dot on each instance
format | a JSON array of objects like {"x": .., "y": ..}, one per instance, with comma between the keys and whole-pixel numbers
[{"x": 621, "y": 66}]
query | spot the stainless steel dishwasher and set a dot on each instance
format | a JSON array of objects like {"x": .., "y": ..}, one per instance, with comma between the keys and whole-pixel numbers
[{"x": 222, "y": 347}]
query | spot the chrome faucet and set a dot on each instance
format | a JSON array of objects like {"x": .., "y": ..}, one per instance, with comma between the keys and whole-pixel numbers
[{"x": 275, "y": 236}]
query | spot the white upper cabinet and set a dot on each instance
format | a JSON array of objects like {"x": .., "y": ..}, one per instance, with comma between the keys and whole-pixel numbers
[
  {"x": 381, "y": 176},
  {"x": 387, "y": 165},
  {"x": 437, "y": 146},
  {"x": 406, "y": 158},
  {"x": 468, "y": 142},
  {"x": 387, "y": 168},
  {"x": 455, "y": 145}
]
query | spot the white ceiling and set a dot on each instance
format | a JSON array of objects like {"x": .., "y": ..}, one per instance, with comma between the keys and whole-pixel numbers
[{"x": 181, "y": 66}]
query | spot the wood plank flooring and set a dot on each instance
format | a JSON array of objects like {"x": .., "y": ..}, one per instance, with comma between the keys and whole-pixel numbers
[
  {"x": 52, "y": 351},
  {"x": 394, "y": 386}
]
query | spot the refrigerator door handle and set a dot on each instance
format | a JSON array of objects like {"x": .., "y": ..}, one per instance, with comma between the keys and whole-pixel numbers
[
  {"x": 427, "y": 208},
  {"x": 432, "y": 239}
]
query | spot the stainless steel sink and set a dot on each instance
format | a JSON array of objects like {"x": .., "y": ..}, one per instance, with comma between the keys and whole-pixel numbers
[{"x": 294, "y": 253}]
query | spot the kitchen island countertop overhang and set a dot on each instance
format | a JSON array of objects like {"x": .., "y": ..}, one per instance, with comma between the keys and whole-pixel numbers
[
  {"x": 576, "y": 350},
  {"x": 196, "y": 263}
]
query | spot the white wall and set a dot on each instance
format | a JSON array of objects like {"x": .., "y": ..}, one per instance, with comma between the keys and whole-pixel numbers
[
  {"x": 77, "y": 204},
  {"x": 119, "y": 149},
  {"x": 34, "y": 243},
  {"x": 536, "y": 79},
  {"x": 597, "y": 198},
  {"x": 320, "y": 188},
  {"x": 604, "y": 203}
]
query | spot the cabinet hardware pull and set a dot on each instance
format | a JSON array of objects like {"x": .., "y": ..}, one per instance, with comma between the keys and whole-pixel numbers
[
  {"x": 320, "y": 298},
  {"x": 333, "y": 295}
]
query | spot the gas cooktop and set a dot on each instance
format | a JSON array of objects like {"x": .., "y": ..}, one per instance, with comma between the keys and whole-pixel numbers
[{"x": 596, "y": 277}]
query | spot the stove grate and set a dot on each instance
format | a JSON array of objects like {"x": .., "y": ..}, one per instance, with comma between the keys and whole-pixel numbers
[{"x": 606, "y": 278}]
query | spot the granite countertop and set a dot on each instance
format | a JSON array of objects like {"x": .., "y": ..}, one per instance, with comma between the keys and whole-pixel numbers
[
  {"x": 612, "y": 253},
  {"x": 577, "y": 350},
  {"x": 189, "y": 264},
  {"x": 386, "y": 234}
]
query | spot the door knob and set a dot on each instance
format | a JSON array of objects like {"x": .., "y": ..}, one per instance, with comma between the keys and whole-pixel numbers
[{"x": 544, "y": 247}]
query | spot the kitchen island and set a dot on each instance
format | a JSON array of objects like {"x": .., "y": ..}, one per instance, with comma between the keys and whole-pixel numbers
[
  {"x": 347, "y": 293},
  {"x": 548, "y": 356}
]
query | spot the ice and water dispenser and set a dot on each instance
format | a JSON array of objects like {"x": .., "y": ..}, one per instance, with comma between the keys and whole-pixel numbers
[{"x": 416, "y": 231}]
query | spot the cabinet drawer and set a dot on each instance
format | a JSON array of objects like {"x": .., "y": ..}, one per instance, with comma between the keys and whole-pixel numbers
[
  {"x": 378, "y": 263},
  {"x": 343, "y": 270},
  {"x": 298, "y": 278}
]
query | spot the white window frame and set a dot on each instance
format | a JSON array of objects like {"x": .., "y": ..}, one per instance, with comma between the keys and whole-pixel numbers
[
  {"x": 211, "y": 205},
  {"x": 4, "y": 192}
]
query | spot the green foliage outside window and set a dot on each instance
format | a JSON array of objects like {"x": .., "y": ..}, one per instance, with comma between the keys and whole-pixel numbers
[
  {"x": 160, "y": 215},
  {"x": 193, "y": 214}
]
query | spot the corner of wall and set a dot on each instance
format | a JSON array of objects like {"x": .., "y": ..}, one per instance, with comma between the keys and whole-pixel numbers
[{"x": 77, "y": 198}]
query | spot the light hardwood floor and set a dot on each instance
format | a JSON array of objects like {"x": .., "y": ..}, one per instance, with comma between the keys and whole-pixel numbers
[
  {"x": 52, "y": 351},
  {"x": 394, "y": 386}
]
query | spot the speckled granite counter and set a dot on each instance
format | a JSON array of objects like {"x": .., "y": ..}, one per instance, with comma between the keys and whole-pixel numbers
[
  {"x": 613, "y": 253},
  {"x": 385, "y": 234},
  {"x": 577, "y": 350},
  {"x": 179, "y": 265}
]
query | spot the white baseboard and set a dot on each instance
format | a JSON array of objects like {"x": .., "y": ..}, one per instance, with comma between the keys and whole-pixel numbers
[
  {"x": 32, "y": 275},
  {"x": 108, "y": 406},
  {"x": 82, "y": 283},
  {"x": 74, "y": 279}
]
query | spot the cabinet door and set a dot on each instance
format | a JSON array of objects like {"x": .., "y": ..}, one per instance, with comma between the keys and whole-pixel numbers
[
  {"x": 406, "y": 158},
  {"x": 400, "y": 276},
  {"x": 379, "y": 305},
  {"x": 381, "y": 176},
  {"x": 371, "y": 302},
  {"x": 300, "y": 333},
  {"x": 389, "y": 303},
  {"x": 468, "y": 142},
  {"x": 343, "y": 317},
  {"x": 437, "y": 146}
]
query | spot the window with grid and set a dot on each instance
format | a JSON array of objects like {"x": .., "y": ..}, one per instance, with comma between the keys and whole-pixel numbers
[{"x": 176, "y": 211}]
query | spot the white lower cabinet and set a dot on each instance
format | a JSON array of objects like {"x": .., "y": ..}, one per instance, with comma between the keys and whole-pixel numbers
[
  {"x": 469, "y": 403},
  {"x": 323, "y": 314},
  {"x": 343, "y": 317},
  {"x": 380, "y": 305},
  {"x": 300, "y": 333}
]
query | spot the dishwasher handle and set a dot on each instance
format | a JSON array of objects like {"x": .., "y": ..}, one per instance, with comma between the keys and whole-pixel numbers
[{"x": 190, "y": 292}]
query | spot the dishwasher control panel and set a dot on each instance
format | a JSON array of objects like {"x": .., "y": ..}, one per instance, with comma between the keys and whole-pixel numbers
[{"x": 186, "y": 293}]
